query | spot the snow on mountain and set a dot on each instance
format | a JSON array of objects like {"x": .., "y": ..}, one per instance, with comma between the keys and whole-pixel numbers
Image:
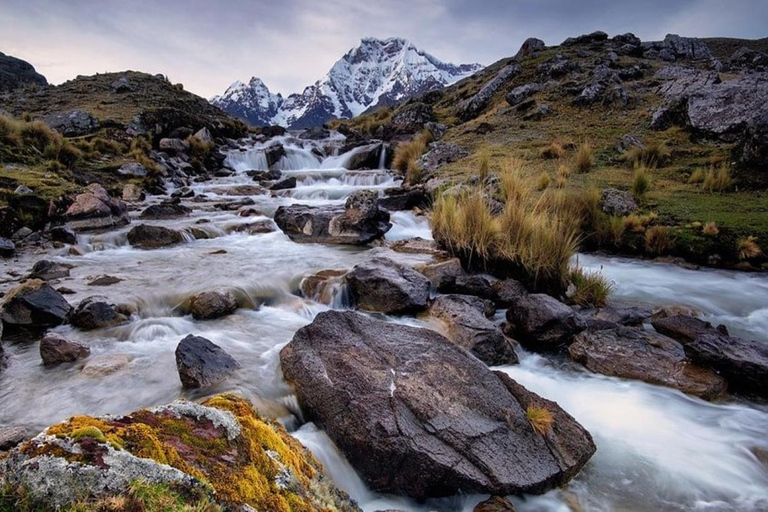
[{"x": 377, "y": 72}]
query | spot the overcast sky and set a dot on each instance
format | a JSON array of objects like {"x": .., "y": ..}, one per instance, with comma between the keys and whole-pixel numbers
[{"x": 207, "y": 44}]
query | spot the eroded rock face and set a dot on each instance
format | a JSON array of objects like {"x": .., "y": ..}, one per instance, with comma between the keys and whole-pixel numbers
[
  {"x": 96, "y": 312},
  {"x": 359, "y": 222},
  {"x": 34, "y": 304},
  {"x": 472, "y": 107},
  {"x": 742, "y": 362},
  {"x": 647, "y": 356},
  {"x": 212, "y": 304},
  {"x": 74, "y": 123},
  {"x": 96, "y": 210},
  {"x": 543, "y": 323},
  {"x": 57, "y": 350},
  {"x": 202, "y": 363},
  {"x": 15, "y": 73},
  {"x": 439, "y": 154},
  {"x": 443, "y": 421},
  {"x": 220, "y": 451},
  {"x": 152, "y": 237},
  {"x": 466, "y": 323},
  {"x": 385, "y": 286}
]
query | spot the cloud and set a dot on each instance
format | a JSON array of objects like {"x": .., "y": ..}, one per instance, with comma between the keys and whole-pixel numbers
[{"x": 289, "y": 44}]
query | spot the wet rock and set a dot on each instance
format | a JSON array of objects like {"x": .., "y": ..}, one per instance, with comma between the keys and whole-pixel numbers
[
  {"x": 224, "y": 440},
  {"x": 465, "y": 321},
  {"x": 201, "y": 363},
  {"x": 62, "y": 234},
  {"x": 273, "y": 154},
  {"x": 315, "y": 133},
  {"x": 74, "y": 123},
  {"x": 324, "y": 286},
  {"x": 474, "y": 106},
  {"x": 508, "y": 292},
  {"x": 686, "y": 328},
  {"x": 34, "y": 304},
  {"x": 439, "y": 154},
  {"x": 494, "y": 504},
  {"x": 105, "y": 280},
  {"x": 522, "y": 92},
  {"x": 46, "y": 270},
  {"x": 94, "y": 209},
  {"x": 256, "y": 228},
  {"x": 284, "y": 184},
  {"x": 7, "y": 248},
  {"x": 623, "y": 314},
  {"x": 270, "y": 175},
  {"x": 212, "y": 304},
  {"x": 183, "y": 193},
  {"x": 152, "y": 237},
  {"x": 530, "y": 47},
  {"x": 365, "y": 157},
  {"x": 385, "y": 286},
  {"x": 359, "y": 222},
  {"x": 743, "y": 363},
  {"x": 476, "y": 284},
  {"x": 56, "y": 350},
  {"x": 617, "y": 202},
  {"x": 399, "y": 199},
  {"x": 444, "y": 422},
  {"x": 637, "y": 354},
  {"x": 107, "y": 364},
  {"x": 11, "y": 436},
  {"x": 417, "y": 245},
  {"x": 133, "y": 193},
  {"x": 96, "y": 312},
  {"x": 165, "y": 210},
  {"x": 542, "y": 323},
  {"x": 442, "y": 275}
]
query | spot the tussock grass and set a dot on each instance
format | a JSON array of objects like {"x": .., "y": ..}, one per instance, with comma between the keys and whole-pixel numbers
[
  {"x": 590, "y": 288},
  {"x": 659, "y": 240},
  {"x": 555, "y": 150},
  {"x": 653, "y": 154},
  {"x": 407, "y": 155},
  {"x": 34, "y": 139},
  {"x": 697, "y": 176},
  {"x": 585, "y": 158},
  {"x": 563, "y": 171},
  {"x": 483, "y": 167},
  {"x": 641, "y": 182},
  {"x": 540, "y": 418},
  {"x": 610, "y": 229},
  {"x": 544, "y": 180},
  {"x": 710, "y": 229},
  {"x": 717, "y": 180},
  {"x": 748, "y": 248}
]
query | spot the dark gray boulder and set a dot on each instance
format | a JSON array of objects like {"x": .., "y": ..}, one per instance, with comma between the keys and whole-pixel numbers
[
  {"x": 212, "y": 304},
  {"x": 522, "y": 92},
  {"x": 285, "y": 184},
  {"x": 478, "y": 285},
  {"x": 74, "y": 123},
  {"x": 411, "y": 118},
  {"x": 47, "y": 270},
  {"x": 152, "y": 237},
  {"x": 398, "y": 199},
  {"x": 34, "y": 304},
  {"x": 593, "y": 37},
  {"x": 439, "y": 154},
  {"x": 542, "y": 323},
  {"x": 442, "y": 422},
  {"x": 637, "y": 354},
  {"x": 365, "y": 157},
  {"x": 385, "y": 286},
  {"x": 96, "y": 312},
  {"x": 359, "y": 222},
  {"x": 274, "y": 154},
  {"x": 442, "y": 275},
  {"x": 530, "y": 47},
  {"x": 685, "y": 328},
  {"x": 743, "y": 363},
  {"x": 617, "y": 202},
  {"x": 15, "y": 73},
  {"x": 687, "y": 47},
  {"x": 7, "y": 248},
  {"x": 474, "y": 106},
  {"x": 166, "y": 210},
  {"x": 63, "y": 234},
  {"x": 465, "y": 322},
  {"x": 201, "y": 363},
  {"x": 56, "y": 350}
]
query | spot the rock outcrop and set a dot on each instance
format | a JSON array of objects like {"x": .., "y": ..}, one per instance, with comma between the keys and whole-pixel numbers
[
  {"x": 15, "y": 73},
  {"x": 444, "y": 422},
  {"x": 95, "y": 209}
]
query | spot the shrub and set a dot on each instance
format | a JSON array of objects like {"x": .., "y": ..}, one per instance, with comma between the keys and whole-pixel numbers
[
  {"x": 408, "y": 153},
  {"x": 717, "y": 180},
  {"x": 641, "y": 183},
  {"x": 554, "y": 150},
  {"x": 585, "y": 158},
  {"x": 697, "y": 176},
  {"x": 543, "y": 181},
  {"x": 653, "y": 154},
  {"x": 540, "y": 418},
  {"x": 591, "y": 288},
  {"x": 659, "y": 240},
  {"x": 710, "y": 229},
  {"x": 748, "y": 248}
]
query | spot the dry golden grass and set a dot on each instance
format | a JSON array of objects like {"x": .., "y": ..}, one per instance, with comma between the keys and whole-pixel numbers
[
  {"x": 653, "y": 154},
  {"x": 543, "y": 181},
  {"x": 641, "y": 182},
  {"x": 554, "y": 150},
  {"x": 585, "y": 158},
  {"x": 407, "y": 155},
  {"x": 748, "y": 248},
  {"x": 659, "y": 240},
  {"x": 563, "y": 171},
  {"x": 697, "y": 176},
  {"x": 540, "y": 418},
  {"x": 717, "y": 179},
  {"x": 591, "y": 288},
  {"x": 710, "y": 229}
]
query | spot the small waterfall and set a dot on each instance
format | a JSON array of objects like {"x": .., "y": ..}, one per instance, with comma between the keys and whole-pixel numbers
[
  {"x": 249, "y": 160},
  {"x": 383, "y": 157},
  {"x": 342, "y": 161},
  {"x": 296, "y": 159}
]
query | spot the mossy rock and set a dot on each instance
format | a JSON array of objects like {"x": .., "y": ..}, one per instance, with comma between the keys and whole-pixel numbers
[{"x": 220, "y": 451}]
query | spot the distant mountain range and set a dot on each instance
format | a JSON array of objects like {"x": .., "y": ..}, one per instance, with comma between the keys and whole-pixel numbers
[{"x": 377, "y": 72}]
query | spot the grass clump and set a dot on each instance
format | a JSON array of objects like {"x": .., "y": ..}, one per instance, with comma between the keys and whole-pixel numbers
[
  {"x": 653, "y": 154},
  {"x": 748, "y": 248},
  {"x": 555, "y": 150},
  {"x": 564, "y": 172},
  {"x": 544, "y": 180},
  {"x": 589, "y": 288},
  {"x": 710, "y": 229},
  {"x": 585, "y": 158},
  {"x": 717, "y": 180},
  {"x": 697, "y": 176},
  {"x": 540, "y": 418},
  {"x": 659, "y": 240},
  {"x": 610, "y": 229},
  {"x": 641, "y": 182},
  {"x": 407, "y": 155}
]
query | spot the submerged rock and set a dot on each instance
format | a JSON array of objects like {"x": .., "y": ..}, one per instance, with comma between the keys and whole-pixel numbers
[
  {"x": 466, "y": 323},
  {"x": 647, "y": 356},
  {"x": 34, "y": 304},
  {"x": 47, "y": 270},
  {"x": 152, "y": 237},
  {"x": 94, "y": 209},
  {"x": 202, "y": 363},
  {"x": 443, "y": 422},
  {"x": 96, "y": 312},
  {"x": 385, "y": 286},
  {"x": 219, "y": 452},
  {"x": 359, "y": 222},
  {"x": 212, "y": 304},
  {"x": 56, "y": 350},
  {"x": 542, "y": 323},
  {"x": 166, "y": 210},
  {"x": 743, "y": 363}
]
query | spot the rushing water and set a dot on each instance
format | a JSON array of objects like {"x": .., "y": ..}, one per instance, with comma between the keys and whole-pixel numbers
[{"x": 657, "y": 448}]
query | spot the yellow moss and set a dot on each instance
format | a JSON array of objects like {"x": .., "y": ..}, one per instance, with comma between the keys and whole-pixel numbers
[{"x": 92, "y": 432}]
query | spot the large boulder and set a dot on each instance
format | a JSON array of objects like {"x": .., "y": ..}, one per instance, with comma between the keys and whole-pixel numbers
[
  {"x": 687, "y": 47},
  {"x": 617, "y": 202},
  {"x": 202, "y": 363},
  {"x": 417, "y": 415},
  {"x": 411, "y": 118},
  {"x": 474, "y": 106},
  {"x": 358, "y": 222},
  {"x": 405, "y": 199},
  {"x": 96, "y": 312},
  {"x": 34, "y": 304},
  {"x": 94, "y": 209},
  {"x": 465, "y": 321},
  {"x": 15, "y": 73},
  {"x": 47, "y": 270},
  {"x": 365, "y": 157},
  {"x": 530, "y": 47},
  {"x": 74, "y": 123},
  {"x": 152, "y": 237},
  {"x": 219, "y": 453},
  {"x": 743, "y": 363},
  {"x": 442, "y": 275},
  {"x": 542, "y": 323},
  {"x": 212, "y": 304},
  {"x": 165, "y": 210},
  {"x": 522, "y": 92},
  {"x": 385, "y": 286},
  {"x": 56, "y": 350},
  {"x": 7, "y": 248},
  {"x": 274, "y": 154},
  {"x": 637, "y": 354}
]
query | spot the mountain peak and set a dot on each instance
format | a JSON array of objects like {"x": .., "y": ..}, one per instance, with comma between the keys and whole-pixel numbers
[{"x": 376, "y": 72}]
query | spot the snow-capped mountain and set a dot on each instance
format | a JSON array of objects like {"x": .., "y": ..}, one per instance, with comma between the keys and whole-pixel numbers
[{"x": 377, "y": 72}]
